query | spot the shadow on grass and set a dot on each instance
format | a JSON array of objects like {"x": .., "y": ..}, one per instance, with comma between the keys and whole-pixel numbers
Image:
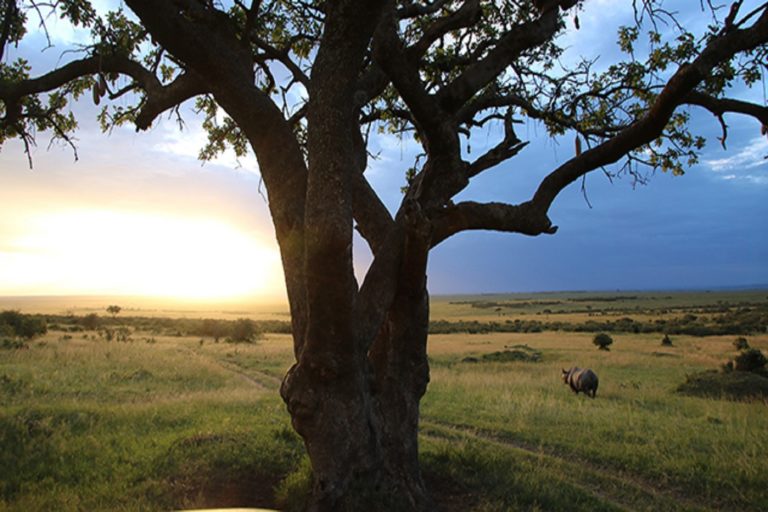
[{"x": 734, "y": 385}]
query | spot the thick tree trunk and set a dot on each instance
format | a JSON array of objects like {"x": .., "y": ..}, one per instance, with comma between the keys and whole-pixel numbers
[
  {"x": 360, "y": 425},
  {"x": 359, "y": 419},
  {"x": 400, "y": 364}
]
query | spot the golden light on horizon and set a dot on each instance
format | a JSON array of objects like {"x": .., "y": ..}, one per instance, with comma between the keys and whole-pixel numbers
[{"x": 114, "y": 252}]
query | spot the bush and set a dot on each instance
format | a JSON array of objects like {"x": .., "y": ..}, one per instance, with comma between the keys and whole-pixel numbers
[
  {"x": 522, "y": 353},
  {"x": 730, "y": 385},
  {"x": 751, "y": 360},
  {"x": 666, "y": 341},
  {"x": 216, "y": 329},
  {"x": 13, "y": 323},
  {"x": 741, "y": 343},
  {"x": 602, "y": 341},
  {"x": 13, "y": 344},
  {"x": 244, "y": 331},
  {"x": 90, "y": 321}
]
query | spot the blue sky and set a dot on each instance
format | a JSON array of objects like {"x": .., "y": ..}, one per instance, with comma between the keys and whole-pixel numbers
[{"x": 65, "y": 227}]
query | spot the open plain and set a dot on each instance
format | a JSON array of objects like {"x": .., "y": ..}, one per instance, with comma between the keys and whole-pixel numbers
[{"x": 170, "y": 418}]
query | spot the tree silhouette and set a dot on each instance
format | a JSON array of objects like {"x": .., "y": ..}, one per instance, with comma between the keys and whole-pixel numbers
[
  {"x": 602, "y": 341},
  {"x": 114, "y": 310},
  {"x": 307, "y": 84}
]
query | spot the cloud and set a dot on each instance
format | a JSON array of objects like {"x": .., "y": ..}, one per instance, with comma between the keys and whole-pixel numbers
[
  {"x": 187, "y": 144},
  {"x": 749, "y": 164}
]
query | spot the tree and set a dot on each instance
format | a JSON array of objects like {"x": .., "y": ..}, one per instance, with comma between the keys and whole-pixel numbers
[
  {"x": 213, "y": 328},
  {"x": 91, "y": 321},
  {"x": 602, "y": 341},
  {"x": 244, "y": 331},
  {"x": 114, "y": 310},
  {"x": 306, "y": 84}
]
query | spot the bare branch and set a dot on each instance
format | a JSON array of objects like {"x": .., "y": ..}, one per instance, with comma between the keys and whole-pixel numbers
[
  {"x": 465, "y": 16},
  {"x": 509, "y": 47},
  {"x": 720, "y": 106},
  {"x": 524, "y": 218}
]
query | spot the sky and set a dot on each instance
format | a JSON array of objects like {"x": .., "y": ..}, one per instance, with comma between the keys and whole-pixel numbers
[{"x": 138, "y": 214}]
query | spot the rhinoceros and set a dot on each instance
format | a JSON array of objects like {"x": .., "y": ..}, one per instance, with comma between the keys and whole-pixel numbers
[{"x": 584, "y": 380}]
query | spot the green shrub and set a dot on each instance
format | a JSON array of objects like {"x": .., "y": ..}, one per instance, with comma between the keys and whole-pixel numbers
[
  {"x": 13, "y": 323},
  {"x": 728, "y": 385},
  {"x": 522, "y": 353}
]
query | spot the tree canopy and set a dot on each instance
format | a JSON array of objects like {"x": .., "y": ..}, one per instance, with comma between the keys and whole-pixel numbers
[{"x": 306, "y": 85}]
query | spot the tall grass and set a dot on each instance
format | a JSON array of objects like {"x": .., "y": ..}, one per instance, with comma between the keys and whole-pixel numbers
[
  {"x": 91, "y": 425},
  {"x": 131, "y": 426},
  {"x": 708, "y": 449}
]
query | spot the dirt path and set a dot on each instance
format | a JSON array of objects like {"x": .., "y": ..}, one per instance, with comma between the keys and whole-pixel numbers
[
  {"x": 617, "y": 488},
  {"x": 258, "y": 378},
  {"x": 262, "y": 380}
]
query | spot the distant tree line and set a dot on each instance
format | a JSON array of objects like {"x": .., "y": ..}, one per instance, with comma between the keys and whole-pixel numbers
[
  {"x": 727, "y": 321},
  {"x": 746, "y": 320},
  {"x": 241, "y": 329}
]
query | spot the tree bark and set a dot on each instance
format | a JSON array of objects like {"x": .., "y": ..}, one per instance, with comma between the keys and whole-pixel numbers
[
  {"x": 360, "y": 424},
  {"x": 359, "y": 414}
]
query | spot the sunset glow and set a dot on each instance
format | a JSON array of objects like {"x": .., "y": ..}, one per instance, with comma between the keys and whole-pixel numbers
[{"x": 136, "y": 253}]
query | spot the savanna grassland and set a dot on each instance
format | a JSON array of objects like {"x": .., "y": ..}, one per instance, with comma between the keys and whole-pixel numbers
[{"x": 169, "y": 418}]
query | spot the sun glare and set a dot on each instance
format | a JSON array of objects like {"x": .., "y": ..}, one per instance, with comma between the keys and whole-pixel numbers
[{"x": 129, "y": 253}]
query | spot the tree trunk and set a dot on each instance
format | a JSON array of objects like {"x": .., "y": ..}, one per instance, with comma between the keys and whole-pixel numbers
[{"x": 359, "y": 419}]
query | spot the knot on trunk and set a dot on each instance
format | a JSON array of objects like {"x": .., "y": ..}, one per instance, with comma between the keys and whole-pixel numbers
[{"x": 298, "y": 395}]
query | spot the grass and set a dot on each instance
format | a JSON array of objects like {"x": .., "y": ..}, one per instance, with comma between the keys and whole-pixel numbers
[
  {"x": 707, "y": 453},
  {"x": 87, "y": 424}
]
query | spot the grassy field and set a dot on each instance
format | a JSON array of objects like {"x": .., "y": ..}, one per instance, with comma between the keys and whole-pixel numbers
[{"x": 168, "y": 422}]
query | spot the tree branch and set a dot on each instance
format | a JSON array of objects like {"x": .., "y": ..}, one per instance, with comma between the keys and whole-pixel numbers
[
  {"x": 523, "y": 218},
  {"x": 651, "y": 125},
  {"x": 185, "y": 86},
  {"x": 465, "y": 16},
  {"x": 159, "y": 97},
  {"x": 503, "y": 151},
  {"x": 443, "y": 174},
  {"x": 720, "y": 106},
  {"x": 509, "y": 47},
  {"x": 282, "y": 56}
]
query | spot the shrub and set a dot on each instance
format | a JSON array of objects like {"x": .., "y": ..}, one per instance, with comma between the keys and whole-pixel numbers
[
  {"x": 216, "y": 329},
  {"x": 13, "y": 344},
  {"x": 741, "y": 343},
  {"x": 91, "y": 321},
  {"x": 666, "y": 341},
  {"x": 13, "y": 323},
  {"x": 244, "y": 331},
  {"x": 522, "y": 353},
  {"x": 751, "y": 360},
  {"x": 602, "y": 341},
  {"x": 729, "y": 385}
]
